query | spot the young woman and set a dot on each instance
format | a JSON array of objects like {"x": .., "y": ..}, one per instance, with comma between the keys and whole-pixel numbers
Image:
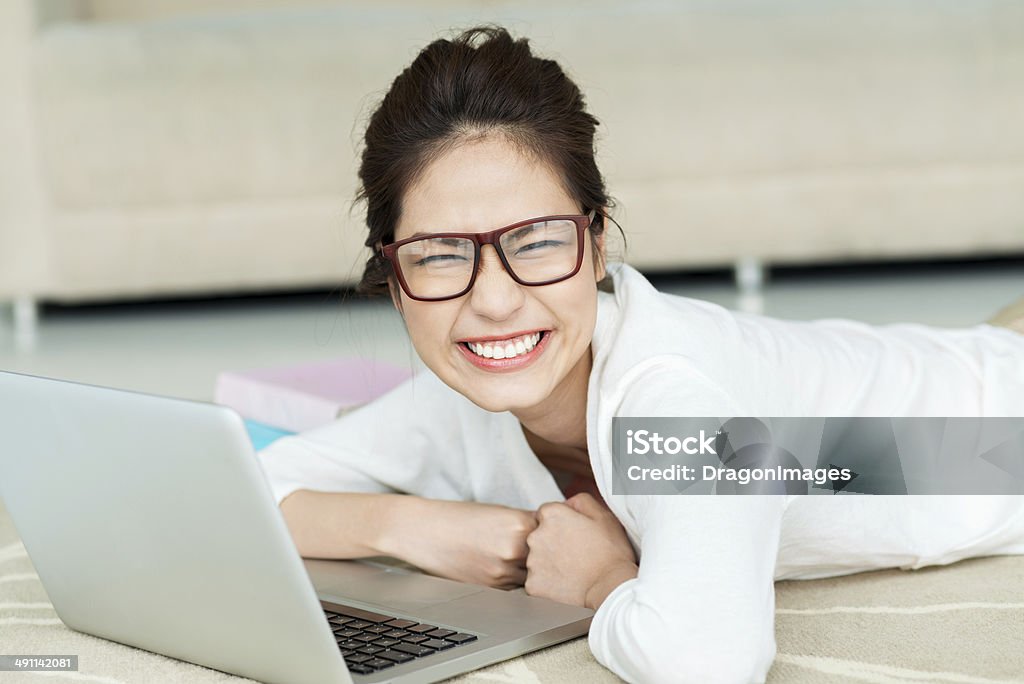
[{"x": 533, "y": 340}]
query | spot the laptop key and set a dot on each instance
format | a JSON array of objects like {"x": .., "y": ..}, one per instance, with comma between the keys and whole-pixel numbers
[
  {"x": 368, "y": 616},
  {"x": 461, "y": 638},
  {"x": 366, "y": 638},
  {"x": 369, "y": 649},
  {"x": 358, "y": 624},
  {"x": 360, "y": 669},
  {"x": 378, "y": 629},
  {"x": 412, "y": 649},
  {"x": 437, "y": 644},
  {"x": 401, "y": 624},
  {"x": 396, "y": 656},
  {"x": 379, "y": 663},
  {"x": 420, "y": 629},
  {"x": 339, "y": 621},
  {"x": 357, "y": 658},
  {"x": 351, "y": 645},
  {"x": 346, "y": 633},
  {"x": 385, "y": 642},
  {"x": 396, "y": 634},
  {"x": 440, "y": 633},
  {"x": 415, "y": 638}
]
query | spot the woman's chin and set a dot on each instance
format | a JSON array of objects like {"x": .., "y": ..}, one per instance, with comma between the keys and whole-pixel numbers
[{"x": 502, "y": 398}]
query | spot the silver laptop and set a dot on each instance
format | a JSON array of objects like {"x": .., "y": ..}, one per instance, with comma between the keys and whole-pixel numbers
[{"x": 150, "y": 523}]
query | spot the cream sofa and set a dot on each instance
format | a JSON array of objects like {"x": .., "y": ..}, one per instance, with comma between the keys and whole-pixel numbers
[{"x": 155, "y": 147}]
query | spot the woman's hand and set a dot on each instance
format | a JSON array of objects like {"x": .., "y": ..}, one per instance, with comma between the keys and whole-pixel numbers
[
  {"x": 461, "y": 540},
  {"x": 579, "y": 553}
]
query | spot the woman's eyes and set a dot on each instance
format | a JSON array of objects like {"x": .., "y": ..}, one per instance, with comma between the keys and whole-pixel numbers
[
  {"x": 534, "y": 246},
  {"x": 455, "y": 257},
  {"x": 440, "y": 258}
]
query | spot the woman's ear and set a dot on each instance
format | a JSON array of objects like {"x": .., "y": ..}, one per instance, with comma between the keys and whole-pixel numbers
[
  {"x": 600, "y": 255},
  {"x": 396, "y": 297}
]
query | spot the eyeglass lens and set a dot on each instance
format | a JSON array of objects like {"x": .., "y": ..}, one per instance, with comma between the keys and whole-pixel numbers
[{"x": 443, "y": 266}]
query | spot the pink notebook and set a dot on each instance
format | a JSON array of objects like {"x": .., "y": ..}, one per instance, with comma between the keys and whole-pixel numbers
[{"x": 308, "y": 395}]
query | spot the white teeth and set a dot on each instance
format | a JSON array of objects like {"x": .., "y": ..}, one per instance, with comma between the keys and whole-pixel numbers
[{"x": 520, "y": 346}]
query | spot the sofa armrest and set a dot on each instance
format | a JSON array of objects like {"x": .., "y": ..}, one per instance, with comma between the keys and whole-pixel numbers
[{"x": 22, "y": 239}]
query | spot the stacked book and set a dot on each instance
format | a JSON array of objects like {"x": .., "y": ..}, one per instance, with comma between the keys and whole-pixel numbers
[{"x": 286, "y": 399}]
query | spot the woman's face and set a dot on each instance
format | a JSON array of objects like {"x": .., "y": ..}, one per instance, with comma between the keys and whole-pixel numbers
[{"x": 476, "y": 187}]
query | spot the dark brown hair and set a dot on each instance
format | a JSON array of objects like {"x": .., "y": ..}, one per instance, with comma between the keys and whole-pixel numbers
[{"x": 459, "y": 90}]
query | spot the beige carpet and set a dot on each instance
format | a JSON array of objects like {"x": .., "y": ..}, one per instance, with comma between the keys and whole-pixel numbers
[{"x": 961, "y": 623}]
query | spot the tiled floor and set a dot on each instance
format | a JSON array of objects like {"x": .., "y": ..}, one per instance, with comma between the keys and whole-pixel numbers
[{"x": 177, "y": 348}]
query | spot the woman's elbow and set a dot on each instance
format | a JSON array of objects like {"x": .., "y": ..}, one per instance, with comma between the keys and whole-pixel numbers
[
  {"x": 736, "y": 660},
  {"x": 727, "y": 664}
]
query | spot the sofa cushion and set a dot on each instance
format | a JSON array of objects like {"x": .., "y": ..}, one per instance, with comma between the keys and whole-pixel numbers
[
  {"x": 272, "y": 104},
  {"x": 133, "y": 10}
]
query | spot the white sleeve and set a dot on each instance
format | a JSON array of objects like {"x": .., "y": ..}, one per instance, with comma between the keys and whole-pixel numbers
[
  {"x": 702, "y": 607},
  {"x": 406, "y": 440}
]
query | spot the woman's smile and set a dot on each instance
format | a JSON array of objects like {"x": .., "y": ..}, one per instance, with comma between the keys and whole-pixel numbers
[{"x": 510, "y": 354}]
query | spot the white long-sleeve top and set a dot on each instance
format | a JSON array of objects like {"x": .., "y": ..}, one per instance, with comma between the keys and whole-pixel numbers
[{"x": 702, "y": 606}]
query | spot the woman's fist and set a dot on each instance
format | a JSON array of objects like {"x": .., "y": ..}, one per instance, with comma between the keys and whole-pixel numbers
[
  {"x": 578, "y": 553},
  {"x": 462, "y": 540}
]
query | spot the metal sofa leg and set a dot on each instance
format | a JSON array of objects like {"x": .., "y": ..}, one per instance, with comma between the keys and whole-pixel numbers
[
  {"x": 26, "y": 322},
  {"x": 750, "y": 274}
]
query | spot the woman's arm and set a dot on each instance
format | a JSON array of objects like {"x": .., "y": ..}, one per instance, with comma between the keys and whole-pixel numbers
[
  {"x": 341, "y": 524},
  {"x": 466, "y": 541},
  {"x": 405, "y": 441},
  {"x": 702, "y": 606},
  {"x": 391, "y": 478}
]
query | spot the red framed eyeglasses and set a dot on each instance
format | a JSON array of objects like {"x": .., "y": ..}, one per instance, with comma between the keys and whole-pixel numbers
[{"x": 538, "y": 251}]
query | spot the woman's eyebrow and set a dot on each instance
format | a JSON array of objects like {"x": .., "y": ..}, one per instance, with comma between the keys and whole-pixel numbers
[
  {"x": 449, "y": 241},
  {"x": 522, "y": 230},
  {"x": 528, "y": 228},
  {"x": 421, "y": 233}
]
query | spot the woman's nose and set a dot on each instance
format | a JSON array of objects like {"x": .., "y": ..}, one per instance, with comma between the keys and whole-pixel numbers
[{"x": 495, "y": 294}]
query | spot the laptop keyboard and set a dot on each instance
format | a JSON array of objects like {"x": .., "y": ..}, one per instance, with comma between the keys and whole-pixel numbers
[{"x": 370, "y": 641}]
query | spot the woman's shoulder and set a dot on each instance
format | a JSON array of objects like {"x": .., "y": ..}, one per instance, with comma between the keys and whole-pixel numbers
[
  {"x": 639, "y": 327},
  {"x": 639, "y": 308}
]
